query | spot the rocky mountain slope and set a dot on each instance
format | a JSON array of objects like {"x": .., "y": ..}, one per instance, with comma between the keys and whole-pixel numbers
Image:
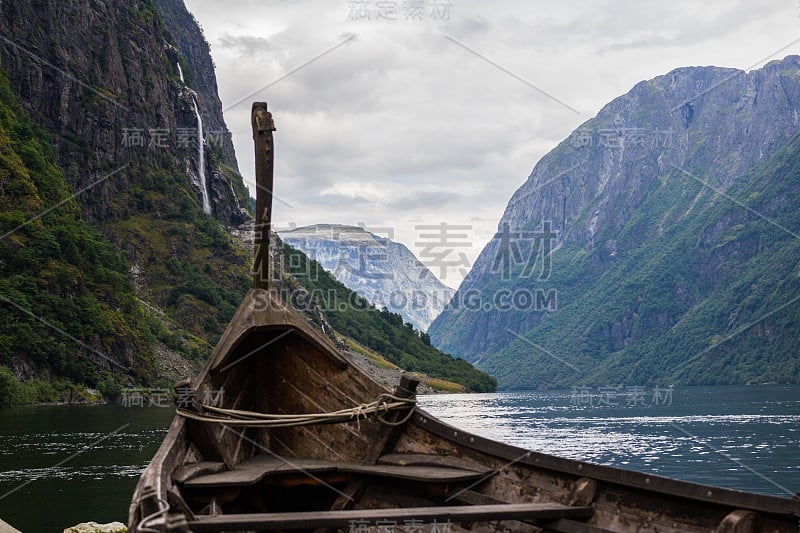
[
  {"x": 101, "y": 84},
  {"x": 657, "y": 244},
  {"x": 384, "y": 272}
]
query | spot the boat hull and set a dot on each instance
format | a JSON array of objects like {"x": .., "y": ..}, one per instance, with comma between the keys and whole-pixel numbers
[{"x": 214, "y": 476}]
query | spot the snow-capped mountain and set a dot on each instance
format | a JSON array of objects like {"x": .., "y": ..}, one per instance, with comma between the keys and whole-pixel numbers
[{"x": 383, "y": 271}]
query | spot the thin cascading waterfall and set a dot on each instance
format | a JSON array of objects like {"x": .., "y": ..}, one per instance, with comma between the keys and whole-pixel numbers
[
  {"x": 201, "y": 154},
  {"x": 201, "y": 160}
]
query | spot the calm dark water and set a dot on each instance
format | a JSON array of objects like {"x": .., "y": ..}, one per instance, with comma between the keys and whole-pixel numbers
[
  {"x": 739, "y": 437},
  {"x": 37, "y": 443}
]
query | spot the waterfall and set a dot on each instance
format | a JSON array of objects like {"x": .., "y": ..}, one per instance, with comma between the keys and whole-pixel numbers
[
  {"x": 201, "y": 154},
  {"x": 201, "y": 159}
]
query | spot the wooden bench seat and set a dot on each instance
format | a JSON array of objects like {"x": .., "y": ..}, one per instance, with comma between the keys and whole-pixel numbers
[
  {"x": 419, "y": 459},
  {"x": 260, "y": 467},
  {"x": 333, "y": 519},
  {"x": 188, "y": 471}
]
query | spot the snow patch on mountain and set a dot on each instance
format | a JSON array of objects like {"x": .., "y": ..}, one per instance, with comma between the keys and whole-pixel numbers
[{"x": 384, "y": 272}]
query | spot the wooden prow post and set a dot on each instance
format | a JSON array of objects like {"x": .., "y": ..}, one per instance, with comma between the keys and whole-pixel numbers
[{"x": 263, "y": 126}]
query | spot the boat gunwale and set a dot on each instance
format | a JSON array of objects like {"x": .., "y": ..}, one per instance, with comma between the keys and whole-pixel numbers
[{"x": 160, "y": 469}]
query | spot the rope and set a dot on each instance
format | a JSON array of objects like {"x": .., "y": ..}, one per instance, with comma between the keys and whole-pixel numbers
[{"x": 380, "y": 408}]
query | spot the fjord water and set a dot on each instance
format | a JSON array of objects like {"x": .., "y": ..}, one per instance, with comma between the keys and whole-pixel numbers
[
  {"x": 745, "y": 437},
  {"x": 739, "y": 437},
  {"x": 68, "y": 483}
]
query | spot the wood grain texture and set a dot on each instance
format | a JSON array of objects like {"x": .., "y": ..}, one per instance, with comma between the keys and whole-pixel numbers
[{"x": 442, "y": 514}]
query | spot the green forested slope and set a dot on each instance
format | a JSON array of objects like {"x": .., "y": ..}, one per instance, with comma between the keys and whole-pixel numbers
[
  {"x": 706, "y": 284},
  {"x": 59, "y": 278}
]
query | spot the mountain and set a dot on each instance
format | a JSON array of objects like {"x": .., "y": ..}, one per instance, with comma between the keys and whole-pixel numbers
[
  {"x": 384, "y": 272},
  {"x": 116, "y": 275},
  {"x": 657, "y": 244}
]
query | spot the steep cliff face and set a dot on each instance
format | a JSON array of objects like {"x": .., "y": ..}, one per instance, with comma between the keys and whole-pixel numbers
[
  {"x": 384, "y": 272},
  {"x": 226, "y": 190},
  {"x": 200, "y": 76},
  {"x": 117, "y": 88},
  {"x": 103, "y": 77},
  {"x": 688, "y": 163}
]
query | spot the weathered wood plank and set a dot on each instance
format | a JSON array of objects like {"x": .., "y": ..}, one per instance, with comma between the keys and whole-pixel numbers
[
  {"x": 631, "y": 480},
  {"x": 472, "y": 497},
  {"x": 565, "y": 525},
  {"x": 420, "y": 459},
  {"x": 512, "y": 483},
  {"x": 254, "y": 470},
  {"x": 309, "y": 520},
  {"x": 562, "y": 525},
  {"x": 414, "y": 473},
  {"x": 189, "y": 471},
  {"x": 258, "y": 468},
  {"x": 301, "y": 379}
]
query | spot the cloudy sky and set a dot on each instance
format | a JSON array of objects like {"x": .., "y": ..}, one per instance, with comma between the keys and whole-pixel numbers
[{"x": 401, "y": 114}]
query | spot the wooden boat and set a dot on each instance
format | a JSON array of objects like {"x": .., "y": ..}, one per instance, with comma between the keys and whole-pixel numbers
[{"x": 302, "y": 439}]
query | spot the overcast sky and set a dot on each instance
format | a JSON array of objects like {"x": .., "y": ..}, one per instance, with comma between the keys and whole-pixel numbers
[{"x": 434, "y": 112}]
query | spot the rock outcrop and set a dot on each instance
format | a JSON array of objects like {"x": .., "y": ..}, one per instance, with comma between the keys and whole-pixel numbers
[{"x": 113, "y": 86}]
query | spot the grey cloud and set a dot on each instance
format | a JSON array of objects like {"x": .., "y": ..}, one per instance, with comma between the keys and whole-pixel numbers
[
  {"x": 249, "y": 45},
  {"x": 423, "y": 200}
]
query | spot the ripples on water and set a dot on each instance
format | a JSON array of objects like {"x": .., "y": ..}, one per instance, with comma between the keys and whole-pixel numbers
[
  {"x": 744, "y": 438},
  {"x": 61, "y": 465}
]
